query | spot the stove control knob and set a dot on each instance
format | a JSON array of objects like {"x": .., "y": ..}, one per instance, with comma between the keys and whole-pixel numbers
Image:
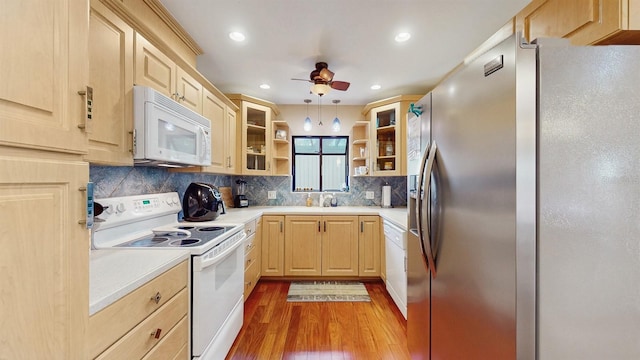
[
  {"x": 120, "y": 208},
  {"x": 108, "y": 209},
  {"x": 176, "y": 201},
  {"x": 169, "y": 200}
]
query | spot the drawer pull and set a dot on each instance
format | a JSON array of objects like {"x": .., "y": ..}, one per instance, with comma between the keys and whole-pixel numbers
[
  {"x": 156, "y": 334},
  {"x": 156, "y": 298}
]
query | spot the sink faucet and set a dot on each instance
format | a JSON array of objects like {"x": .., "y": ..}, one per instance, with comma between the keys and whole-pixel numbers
[{"x": 323, "y": 197}]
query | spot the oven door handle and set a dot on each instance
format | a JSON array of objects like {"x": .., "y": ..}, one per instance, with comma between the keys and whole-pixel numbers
[{"x": 201, "y": 265}]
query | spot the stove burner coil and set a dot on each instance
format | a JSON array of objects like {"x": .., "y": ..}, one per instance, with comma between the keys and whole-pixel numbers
[
  {"x": 211, "y": 228},
  {"x": 184, "y": 242}
]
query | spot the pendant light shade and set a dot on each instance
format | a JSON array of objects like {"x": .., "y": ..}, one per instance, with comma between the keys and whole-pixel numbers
[
  {"x": 307, "y": 121},
  {"x": 336, "y": 122}
]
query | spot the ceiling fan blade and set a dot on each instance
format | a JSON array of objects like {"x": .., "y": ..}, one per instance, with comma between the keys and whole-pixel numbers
[
  {"x": 326, "y": 74},
  {"x": 340, "y": 85},
  {"x": 301, "y": 79}
]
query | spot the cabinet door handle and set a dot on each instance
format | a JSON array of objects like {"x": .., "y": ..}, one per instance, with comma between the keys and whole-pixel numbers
[
  {"x": 156, "y": 333},
  {"x": 361, "y": 226},
  {"x": 156, "y": 298},
  {"x": 280, "y": 226},
  {"x": 87, "y": 94},
  {"x": 318, "y": 226},
  {"x": 133, "y": 141},
  {"x": 325, "y": 226}
]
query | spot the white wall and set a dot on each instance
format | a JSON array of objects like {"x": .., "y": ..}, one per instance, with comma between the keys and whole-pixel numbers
[{"x": 294, "y": 115}]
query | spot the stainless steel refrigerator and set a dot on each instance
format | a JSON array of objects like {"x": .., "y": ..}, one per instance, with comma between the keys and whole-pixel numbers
[{"x": 524, "y": 218}]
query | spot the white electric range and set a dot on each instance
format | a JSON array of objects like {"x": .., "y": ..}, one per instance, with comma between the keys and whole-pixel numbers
[{"x": 217, "y": 279}]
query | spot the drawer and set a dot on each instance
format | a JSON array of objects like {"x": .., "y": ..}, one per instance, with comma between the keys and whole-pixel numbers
[
  {"x": 251, "y": 277},
  {"x": 250, "y": 228},
  {"x": 172, "y": 346},
  {"x": 250, "y": 244},
  {"x": 112, "y": 322},
  {"x": 136, "y": 343},
  {"x": 250, "y": 257}
]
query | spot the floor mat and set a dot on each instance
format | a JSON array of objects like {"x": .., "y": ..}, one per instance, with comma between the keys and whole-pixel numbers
[{"x": 301, "y": 291}]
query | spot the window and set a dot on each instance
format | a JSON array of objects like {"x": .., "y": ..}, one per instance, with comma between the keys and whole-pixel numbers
[{"x": 320, "y": 163}]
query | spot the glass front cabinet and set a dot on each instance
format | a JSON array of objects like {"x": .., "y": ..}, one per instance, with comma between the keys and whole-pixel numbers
[
  {"x": 387, "y": 131},
  {"x": 256, "y": 131}
]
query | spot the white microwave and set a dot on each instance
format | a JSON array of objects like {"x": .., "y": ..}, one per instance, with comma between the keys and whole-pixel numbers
[{"x": 166, "y": 133}]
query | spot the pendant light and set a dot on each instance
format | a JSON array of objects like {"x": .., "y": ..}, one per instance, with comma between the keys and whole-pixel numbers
[
  {"x": 307, "y": 121},
  {"x": 336, "y": 122}
]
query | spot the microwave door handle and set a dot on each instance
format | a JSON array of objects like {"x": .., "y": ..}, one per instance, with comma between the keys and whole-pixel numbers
[{"x": 203, "y": 144}]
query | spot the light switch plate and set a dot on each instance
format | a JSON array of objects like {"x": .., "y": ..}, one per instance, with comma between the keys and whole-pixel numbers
[
  {"x": 369, "y": 195},
  {"x": 271, "y": 195}
]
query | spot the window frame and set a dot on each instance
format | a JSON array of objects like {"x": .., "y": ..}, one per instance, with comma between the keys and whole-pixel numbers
[{"x": 319, "y": 154}]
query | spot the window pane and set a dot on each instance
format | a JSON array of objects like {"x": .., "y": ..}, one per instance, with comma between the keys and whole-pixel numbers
[
  {"x": 334, "y": 145},
  {"x": 333, "y": 172},
  {"x": 307, "y": 172},
  {"x": 306, "y": 145}
]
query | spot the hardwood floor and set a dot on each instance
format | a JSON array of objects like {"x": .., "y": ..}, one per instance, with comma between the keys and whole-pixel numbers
[{"x": 276, "y": 329}]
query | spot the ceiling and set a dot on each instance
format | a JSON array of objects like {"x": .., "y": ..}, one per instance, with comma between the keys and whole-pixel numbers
[{"x": 285, "y": 38}]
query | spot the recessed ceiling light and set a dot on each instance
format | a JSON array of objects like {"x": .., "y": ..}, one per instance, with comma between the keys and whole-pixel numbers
[
  {"x": 236, "y": 36},
  {"x": 265, "y": 86},
  {"x": 375, "y": 87},
  {"x": 402, "y": 37}
]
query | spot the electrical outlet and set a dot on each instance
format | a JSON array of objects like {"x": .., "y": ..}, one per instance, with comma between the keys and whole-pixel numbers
[
  {"x": 369, "y": 195},
  {"x": 271, "y": 195}
]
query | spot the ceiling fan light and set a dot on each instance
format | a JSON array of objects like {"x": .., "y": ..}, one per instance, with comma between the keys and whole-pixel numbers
[
  {"x": 320, "y": 89},
  {"x": 307, "y": 124}
]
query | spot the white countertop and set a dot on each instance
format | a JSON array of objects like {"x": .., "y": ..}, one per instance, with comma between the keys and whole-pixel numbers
[
  {"x": 115, "y": 273},
  {"x": 398, "y": 216}
]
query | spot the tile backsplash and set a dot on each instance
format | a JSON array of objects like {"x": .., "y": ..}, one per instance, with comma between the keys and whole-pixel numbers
[{"x": 112, "y": 181}]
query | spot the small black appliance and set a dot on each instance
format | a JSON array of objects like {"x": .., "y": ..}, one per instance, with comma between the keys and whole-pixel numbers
[
  {"x": 240, "y": 200},
  {"x": 202, "y": 202}
]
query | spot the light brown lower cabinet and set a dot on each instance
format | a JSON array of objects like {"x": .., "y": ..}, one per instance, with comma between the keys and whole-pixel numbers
[
  {"x": 332, "y": 246},
  {"x": 272, "y": 245},
  {"x": 321, "y": 246},
  {"x": 142, "y": 324},
  {"x": 370, "y": 247}
]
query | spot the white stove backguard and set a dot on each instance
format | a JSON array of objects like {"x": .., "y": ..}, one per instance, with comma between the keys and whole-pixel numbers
[{"x": 130, "y": 217}]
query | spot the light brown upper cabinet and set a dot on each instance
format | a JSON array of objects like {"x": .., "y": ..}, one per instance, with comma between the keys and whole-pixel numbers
[
  {"x": 111, "y": 77},
  {"x": 44, "y": 72},
  {"x": 256, "y": 131},
  {"x": 223, "y": 134},
  {"x": 155, "y": 69},
  {"x": 582, "y": 21},
  {"x": 387, "y": 148}
]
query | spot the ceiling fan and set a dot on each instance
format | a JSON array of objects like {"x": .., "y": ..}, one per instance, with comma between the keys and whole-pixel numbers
[{"x": 322, "y": 80}]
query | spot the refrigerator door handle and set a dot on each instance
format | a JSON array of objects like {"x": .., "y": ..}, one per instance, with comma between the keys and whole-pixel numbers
[
  {"x": 429, "y": 243},
  {"x": 419, "y": 198}
]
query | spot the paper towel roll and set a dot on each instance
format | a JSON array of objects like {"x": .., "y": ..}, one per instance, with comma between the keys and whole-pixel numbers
[{"x": 386, "y": 196}]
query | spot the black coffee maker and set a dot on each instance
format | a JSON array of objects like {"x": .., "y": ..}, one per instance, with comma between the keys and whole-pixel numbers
[
  {"x": 202, "y": 202},
  {"x": 240, "y": 200}
]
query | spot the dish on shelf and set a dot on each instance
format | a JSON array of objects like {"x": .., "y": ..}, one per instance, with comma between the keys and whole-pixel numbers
[{"x": 281, "y": 134}]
